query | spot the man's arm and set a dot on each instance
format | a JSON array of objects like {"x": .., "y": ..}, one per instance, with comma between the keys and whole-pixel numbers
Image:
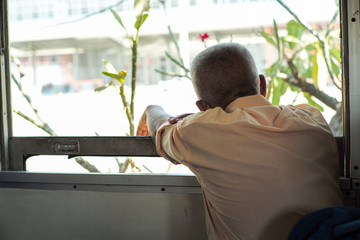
[{"x": 153, "y": 117}]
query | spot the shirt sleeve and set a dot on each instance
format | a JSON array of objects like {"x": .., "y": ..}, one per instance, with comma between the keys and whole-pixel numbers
[{"x": 169, "y": 144}]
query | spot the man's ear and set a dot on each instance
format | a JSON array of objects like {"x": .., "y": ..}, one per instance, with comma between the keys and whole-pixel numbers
[
  {"x": 263, "y": 87},
  {"x": 202, "y": 105}
]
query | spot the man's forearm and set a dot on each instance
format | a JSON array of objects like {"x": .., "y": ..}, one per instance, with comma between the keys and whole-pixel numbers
[{"x": 156, "y": 116}]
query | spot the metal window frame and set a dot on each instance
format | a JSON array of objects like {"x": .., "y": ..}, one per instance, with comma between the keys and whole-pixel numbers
[
  {"x": 351, "y": 57},
  {"x": 350, "y": 54},
  {"x": 5, "y": 106},
  {"x": 15, "y": 150},
  {"x": 21, "y": 148}
]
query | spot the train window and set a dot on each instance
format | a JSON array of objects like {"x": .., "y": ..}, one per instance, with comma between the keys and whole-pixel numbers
[
  {"x": 112, "y": 165},
  {"x": 62, "y": 101}
]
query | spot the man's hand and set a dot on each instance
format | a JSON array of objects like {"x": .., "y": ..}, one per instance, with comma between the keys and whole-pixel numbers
[
  {"x": 151, "y": 120},
  {"x": 142, "y": 129}
]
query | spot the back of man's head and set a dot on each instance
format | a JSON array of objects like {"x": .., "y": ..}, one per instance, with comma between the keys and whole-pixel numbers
[{"x": 224, "y": 72}]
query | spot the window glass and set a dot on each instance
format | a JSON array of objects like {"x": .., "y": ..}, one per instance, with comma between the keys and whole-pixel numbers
[
  {"x": 58, "y": 52},
  {"x": 111, "y": 165}
]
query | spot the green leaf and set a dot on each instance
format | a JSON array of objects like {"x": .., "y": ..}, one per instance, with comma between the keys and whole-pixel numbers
[
  {"x": 99, "y": 89},
  {"x": 273, "y": 40},
  {"x": 284, "y": 86},
  {"x": 291, "y": 40},
  {"x": 315, "y": 69},
  {"x": 293, "y": 88},
  {"x": 109, "y": 66},
  {"x": 269, "y": 38},
  {"x": 140, "y": 20},
  {"x": 114, "y": 76},
  {"x": 280, "y": 86},
  {"x": 277, "y": 36},
  {"x": 27, "y": 97},
  {"x": 173, "y": 38},
  {"x": 295, "y": 30},
  {"x": 312, "y": 102},
  {"x": 335, "y": 60},
  {"x": 117, "y": 18},
  {"x": 335, "y": 52},
  {"x": 304, "y": 66},
  {"x": 335, "y": 67},
  {"x": 176, "y": 62},
  {"x": 311, "y": 46},
  {"x": 141, "y": 6},
  {"x": 276, "y": 95}
]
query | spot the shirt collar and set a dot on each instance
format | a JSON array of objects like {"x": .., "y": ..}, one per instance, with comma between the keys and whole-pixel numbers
[{"x": 248, "y": 101}]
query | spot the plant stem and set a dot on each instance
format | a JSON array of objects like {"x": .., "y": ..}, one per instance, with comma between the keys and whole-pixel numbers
[
  {"x": 171, "y": 74},
  {"x": 46, "y": 128},
  {"x": 43, "y": 124},
  {"x": 126, "y": 105},
  {"x": 86, "y": 165},
  {"x": 133, "y": 82}
]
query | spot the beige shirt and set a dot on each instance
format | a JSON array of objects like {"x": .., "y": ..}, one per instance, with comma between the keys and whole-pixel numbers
[{"x": 261, "y": 167}]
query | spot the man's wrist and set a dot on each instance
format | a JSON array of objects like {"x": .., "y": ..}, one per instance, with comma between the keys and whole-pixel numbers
[
  {"x": 156, "y": 116},
  {"x": 154, "y": 107}
]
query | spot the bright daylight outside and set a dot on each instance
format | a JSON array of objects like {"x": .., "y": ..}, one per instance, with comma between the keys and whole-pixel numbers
[{"x": 90, "y": 67}]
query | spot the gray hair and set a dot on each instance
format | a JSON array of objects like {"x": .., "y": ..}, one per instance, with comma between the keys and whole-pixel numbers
[{"x": 223, "y": 73}]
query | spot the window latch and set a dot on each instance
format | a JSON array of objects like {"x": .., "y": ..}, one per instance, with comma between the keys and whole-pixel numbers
[{"x": 66, "y": 147}]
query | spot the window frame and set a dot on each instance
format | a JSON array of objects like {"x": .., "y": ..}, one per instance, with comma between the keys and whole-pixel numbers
[
  {"x": 5, "y": 106},
  {"x": 15, "y": 150},
  {"x": 350, "y": 36},
  {"x": 21, "y": 148}
]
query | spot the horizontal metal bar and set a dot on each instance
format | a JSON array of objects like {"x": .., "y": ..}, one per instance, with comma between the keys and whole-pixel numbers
[
  {"x": 23, "y": 147},
  {"x": 98, "y": 178},
  {"x": 163, "y": 183}
]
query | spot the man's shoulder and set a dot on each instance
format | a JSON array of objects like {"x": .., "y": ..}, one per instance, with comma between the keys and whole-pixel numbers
[
  {"x": 309, "y": 109},
  {"x": 305, "y": 113},
  {"x": 211, "y": 115}
]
